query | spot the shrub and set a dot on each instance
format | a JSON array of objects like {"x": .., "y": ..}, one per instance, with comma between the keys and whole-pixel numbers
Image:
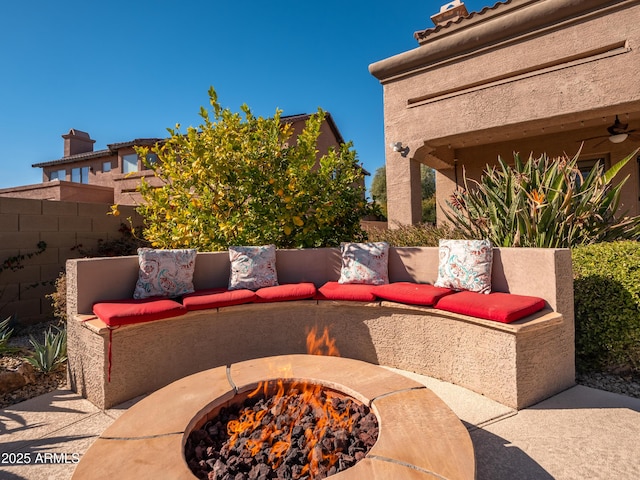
[
  {"x": 425, "y": 235},
  {"x": 126, "y": 244},
  {"x": 607, "y": 305},
  {"x": 429, "y": 210},
  {"x": 52, "y": 353},
  {"x": 59, "y": 298},
  {"x": 543, "y": 203},
  {"x": 238, "y": 179}
]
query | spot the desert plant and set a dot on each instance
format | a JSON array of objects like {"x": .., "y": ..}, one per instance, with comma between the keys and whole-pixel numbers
[
  {"x": 424, "y": 235},
  {"x": 5, "y": 334},
  {"x": 543, "y": 202},
  {"x": 238, "y": 179},
  {"x": 607, "y": 305},
  {"x": 52, "y": 353}
]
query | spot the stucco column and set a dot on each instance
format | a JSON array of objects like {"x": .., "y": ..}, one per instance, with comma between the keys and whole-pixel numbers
[{"x": 404, "y": 206}]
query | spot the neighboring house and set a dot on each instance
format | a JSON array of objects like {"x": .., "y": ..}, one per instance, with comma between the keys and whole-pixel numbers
[
  {"x": 529, "y": 76},
  {"x": 112, "y": 175}
]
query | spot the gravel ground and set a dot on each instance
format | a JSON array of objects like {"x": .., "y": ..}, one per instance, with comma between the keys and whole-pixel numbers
[{"x": 626, "y": 385}]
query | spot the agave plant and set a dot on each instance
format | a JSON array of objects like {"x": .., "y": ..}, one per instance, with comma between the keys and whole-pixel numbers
[
  {"x": 543, "y": 202},
  {"x": 49, "y": 355},
  {"x": 5, "y": 335}
]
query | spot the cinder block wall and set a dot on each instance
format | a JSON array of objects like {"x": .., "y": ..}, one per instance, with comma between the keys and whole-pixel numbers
[{"x": 67, "y": 228}]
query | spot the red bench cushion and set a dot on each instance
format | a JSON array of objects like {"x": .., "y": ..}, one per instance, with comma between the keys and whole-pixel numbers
[
  {"x": 286, "y": 292},
  {"x": 354, "y": 292},
  {"x": 124, "y": 312},
  {"x": 498, "y": 306},
  {"x": 411, "y": 293},
  {"x": 217, "y": 298}
]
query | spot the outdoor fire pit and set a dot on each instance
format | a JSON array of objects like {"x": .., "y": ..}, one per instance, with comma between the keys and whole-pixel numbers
[
  {"x": 283, "y": 431},
  {"x": 419, "y": 436}
]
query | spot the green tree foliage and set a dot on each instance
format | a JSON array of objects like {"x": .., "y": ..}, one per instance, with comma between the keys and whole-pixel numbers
[
  {"x": 427, "y": 182},
  {"x": 238, "y": 179},
  {"x": 543, "y": 202},
  {"x": 428, "y": 191},
  {"x": 379, "y": 185}
]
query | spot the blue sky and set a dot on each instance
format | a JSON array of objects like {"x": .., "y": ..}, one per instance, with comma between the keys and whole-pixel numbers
[{"x": 125, "y": 69}]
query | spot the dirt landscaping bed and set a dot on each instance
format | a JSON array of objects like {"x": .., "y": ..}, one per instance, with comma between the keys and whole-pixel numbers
[{"x": 37, "y": 383}]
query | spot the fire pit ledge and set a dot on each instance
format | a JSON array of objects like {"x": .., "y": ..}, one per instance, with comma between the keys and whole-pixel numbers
[{"x": 420, "y": 437}]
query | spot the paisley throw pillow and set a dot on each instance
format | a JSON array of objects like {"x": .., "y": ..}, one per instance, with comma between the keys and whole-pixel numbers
[
  {"x": 253, "y": 267},
  {"x": 465, "y": 265},
  {"x": 366, "y": 263},
  {"x": 165, "y": 273}
]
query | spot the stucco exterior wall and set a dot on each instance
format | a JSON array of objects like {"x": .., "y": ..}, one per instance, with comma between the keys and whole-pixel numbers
[
  {"x": 528, "y": 76},
  {"x": 482, "y": 355}
]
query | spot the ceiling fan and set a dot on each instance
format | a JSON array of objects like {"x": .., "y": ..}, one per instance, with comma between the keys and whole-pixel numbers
[{"x": 618, "y": 133}]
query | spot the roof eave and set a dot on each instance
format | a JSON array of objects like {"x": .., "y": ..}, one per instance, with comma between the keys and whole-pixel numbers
[{"x": 504, "y": 21}]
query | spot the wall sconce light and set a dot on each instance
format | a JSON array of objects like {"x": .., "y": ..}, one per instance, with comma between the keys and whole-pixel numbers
[{"x": 397, "y": 147}]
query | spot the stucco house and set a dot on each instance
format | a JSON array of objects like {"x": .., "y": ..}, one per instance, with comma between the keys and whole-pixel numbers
[
  {"x": 112, "y": 175},
  {"x": 527, "y": 76}
]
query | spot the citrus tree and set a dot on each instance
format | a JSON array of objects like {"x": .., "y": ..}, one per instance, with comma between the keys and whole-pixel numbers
[
  {"x": 543, "y": 202},
  {"x": 238, "y": 179}
]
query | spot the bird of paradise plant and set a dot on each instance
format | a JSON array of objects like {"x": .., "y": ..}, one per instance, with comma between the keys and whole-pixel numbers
[{"x": 544, "y": 202}]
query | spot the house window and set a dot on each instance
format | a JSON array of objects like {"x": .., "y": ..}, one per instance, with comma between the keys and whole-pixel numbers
[
  {"x": 106, "y": 167},
  {"x": 58, "y": 175},
  {"x": 130, "y": 163},
  {"x": 80, "y": 175},
  {"x": 585, "y": 166}
]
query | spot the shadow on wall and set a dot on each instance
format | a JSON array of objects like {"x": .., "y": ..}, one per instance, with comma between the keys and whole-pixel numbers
[{"x": 414, "y": 264}]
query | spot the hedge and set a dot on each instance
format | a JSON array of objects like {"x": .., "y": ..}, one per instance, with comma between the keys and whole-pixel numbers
[{"x": 607, "y": 306}]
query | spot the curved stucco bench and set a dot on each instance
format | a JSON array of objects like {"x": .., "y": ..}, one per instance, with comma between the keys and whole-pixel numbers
[{"x": 516, "y": 364}]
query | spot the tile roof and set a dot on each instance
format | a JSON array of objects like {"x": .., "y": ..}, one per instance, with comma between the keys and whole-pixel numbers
[
  {"x": 112, "y": 149},
  {"x": 423, "y": 36}
]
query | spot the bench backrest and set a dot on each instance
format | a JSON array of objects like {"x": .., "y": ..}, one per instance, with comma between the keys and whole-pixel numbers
[{"x": 540, "y": 272}]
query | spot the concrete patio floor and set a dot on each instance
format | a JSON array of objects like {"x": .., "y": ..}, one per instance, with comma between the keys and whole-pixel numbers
[{"x": 577, "y": 434}]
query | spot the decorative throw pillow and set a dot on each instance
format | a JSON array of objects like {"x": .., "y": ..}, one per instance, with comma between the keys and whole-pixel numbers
[
  {"x": 165, "y": 273},
  {"x": 465, "y": 265},
  {"x": 366, "y": 263},
  {"x": 253, "y": 267}
]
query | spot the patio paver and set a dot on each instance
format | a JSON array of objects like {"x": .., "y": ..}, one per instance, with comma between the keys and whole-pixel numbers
[{"x": 579, "y": 433}]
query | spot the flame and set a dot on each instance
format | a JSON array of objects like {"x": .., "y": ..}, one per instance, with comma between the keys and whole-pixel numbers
[
  {"x": 324, "y": 345},
  {"x": 276, "y": 442}
]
